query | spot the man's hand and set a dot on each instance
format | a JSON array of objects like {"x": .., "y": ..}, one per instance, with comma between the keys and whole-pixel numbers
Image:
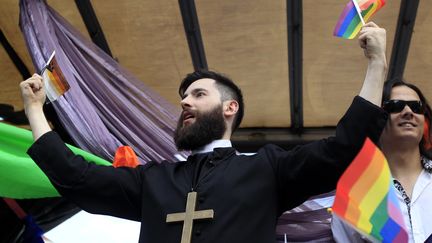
[
  {"x": 372, "y": 39},
  {"x": 33, "y": 92}
]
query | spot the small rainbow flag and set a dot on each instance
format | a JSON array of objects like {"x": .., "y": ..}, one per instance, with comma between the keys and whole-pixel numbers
[
  {"x": 349, "y": 23},
  {"x": 366, "y": 197},
  {"x": 54, "y": 80}
]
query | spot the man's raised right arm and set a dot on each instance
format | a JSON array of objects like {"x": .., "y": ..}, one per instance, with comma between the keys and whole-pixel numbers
[{"x": 372, "y": 39}]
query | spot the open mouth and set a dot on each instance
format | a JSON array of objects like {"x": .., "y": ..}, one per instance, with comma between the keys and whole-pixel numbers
[
  {"x": 188, "y": 116},
  {"x": 407, "y": 124}
]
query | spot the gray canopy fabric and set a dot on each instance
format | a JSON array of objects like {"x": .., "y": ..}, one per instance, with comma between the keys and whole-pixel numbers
[{"x": 106, "y": 106}]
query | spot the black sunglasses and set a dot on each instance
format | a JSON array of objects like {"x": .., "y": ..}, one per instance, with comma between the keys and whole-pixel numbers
[{"x": 395, "y": 106}]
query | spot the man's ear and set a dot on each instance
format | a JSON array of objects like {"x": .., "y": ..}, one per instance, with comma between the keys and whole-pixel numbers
[{"x": 230, "y": 108}]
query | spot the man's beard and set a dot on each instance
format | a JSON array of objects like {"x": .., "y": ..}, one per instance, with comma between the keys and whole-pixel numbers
[{"x": 208, "y": 126}]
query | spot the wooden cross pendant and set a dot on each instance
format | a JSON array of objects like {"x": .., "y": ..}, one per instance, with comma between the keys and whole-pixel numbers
[{"x": 189, "y": 216}]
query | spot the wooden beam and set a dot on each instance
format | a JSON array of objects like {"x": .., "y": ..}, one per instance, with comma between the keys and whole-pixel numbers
[
  {"x": 13, "y": 55},
  {"x": 93, "y": 27},
  {"x": 295, "y": 57},
  {"x": 193, "y": 33},
  {"x": 401, "y": 44},
  {"x": 248, "y": 140}
]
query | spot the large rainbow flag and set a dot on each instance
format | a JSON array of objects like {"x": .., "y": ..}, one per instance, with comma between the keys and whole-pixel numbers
[
  {"x": 366, "y": 197},
  {"x": 349, "y": 22}
]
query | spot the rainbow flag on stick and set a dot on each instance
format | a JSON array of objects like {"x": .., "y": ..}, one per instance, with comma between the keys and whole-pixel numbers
[
  {"x": 366, "y": 197},
  {"x": 350, "y": 21},
  {"x": 54, "y": 80}
]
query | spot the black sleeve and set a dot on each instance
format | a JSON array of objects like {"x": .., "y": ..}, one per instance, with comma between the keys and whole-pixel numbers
[
  {"x": 315, "y": 168},
  {"x": 95, "y": 188}
]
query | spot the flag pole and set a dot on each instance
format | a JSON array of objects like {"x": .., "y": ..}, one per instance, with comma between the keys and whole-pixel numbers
[{"x": 358, "y": 11}]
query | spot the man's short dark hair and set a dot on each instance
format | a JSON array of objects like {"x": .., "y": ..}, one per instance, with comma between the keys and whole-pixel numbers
[{"x": 225, "y": 85}]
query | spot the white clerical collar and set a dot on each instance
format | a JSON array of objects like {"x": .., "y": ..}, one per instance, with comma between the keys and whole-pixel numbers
[{"x": 220, "y": 143}]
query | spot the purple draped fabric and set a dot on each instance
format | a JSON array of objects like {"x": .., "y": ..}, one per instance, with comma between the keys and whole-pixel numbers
[
  {"x": 309, "y": 222},
  {"x": 106, "y": 106}
]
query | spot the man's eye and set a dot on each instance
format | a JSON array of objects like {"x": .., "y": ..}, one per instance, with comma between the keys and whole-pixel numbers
[{"x": 200, "y": 94}]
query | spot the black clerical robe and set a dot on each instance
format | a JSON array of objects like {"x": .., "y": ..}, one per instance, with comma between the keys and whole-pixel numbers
[{"x": 247, "y": 193}]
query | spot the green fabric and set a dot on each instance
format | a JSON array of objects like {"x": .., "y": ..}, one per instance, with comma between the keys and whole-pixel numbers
[{"x": 20, "y": 177}]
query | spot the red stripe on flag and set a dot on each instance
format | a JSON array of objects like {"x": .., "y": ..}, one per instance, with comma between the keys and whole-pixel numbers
[{"x": 351, "y": 175}]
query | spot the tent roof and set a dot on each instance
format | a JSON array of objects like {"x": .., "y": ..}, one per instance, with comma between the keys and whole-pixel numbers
[{"x": 247, "y": 41}]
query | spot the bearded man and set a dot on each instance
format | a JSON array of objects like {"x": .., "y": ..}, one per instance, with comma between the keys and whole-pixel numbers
[{"x": 217, "y": 195}]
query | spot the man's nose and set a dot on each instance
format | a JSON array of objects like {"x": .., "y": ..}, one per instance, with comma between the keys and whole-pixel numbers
[
  {"x": 185, "y": 102},
  {"x": 407, "y": 112}
]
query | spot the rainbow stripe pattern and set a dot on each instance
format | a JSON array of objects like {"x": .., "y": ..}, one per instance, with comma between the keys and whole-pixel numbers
[
  {"x": 54, "y": 80},
  {"x": 366, "y": 197},
  {"x": 349, "y": 23}
]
